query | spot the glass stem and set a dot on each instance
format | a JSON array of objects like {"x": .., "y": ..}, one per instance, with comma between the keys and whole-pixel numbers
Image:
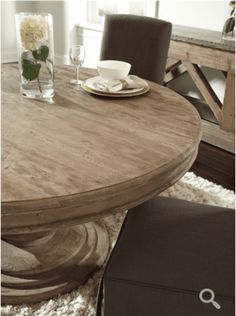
[{"x": 77, "y": 72}]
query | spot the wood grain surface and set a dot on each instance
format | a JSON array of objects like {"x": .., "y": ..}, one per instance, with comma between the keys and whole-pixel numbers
[
  {"x": 86, "y": 156},
  {"x": 36, "y": 268},
  {"x": 204, "y": 49},
  {"x": 66, "y": 164}
]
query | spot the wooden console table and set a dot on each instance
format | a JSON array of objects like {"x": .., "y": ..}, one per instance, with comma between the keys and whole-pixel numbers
[{"x": 192, "y": 47}]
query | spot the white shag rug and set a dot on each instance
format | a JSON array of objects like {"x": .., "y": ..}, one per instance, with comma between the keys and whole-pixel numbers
[{"x": 81, "y": 302}]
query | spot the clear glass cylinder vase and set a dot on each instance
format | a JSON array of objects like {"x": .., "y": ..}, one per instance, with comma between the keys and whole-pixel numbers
[{"x": 34, "y": 33}]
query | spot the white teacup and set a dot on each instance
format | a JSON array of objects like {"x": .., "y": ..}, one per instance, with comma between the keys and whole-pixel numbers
[{"x": 113, "y": 70}]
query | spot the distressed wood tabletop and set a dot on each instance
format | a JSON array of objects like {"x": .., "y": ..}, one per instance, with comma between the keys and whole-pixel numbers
[
  {"x": 66, "y": 164},
  {"x": 85, "y": 155}
]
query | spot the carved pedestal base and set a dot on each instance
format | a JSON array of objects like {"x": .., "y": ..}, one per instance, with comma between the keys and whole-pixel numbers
[{"x": 39, "y": 266}]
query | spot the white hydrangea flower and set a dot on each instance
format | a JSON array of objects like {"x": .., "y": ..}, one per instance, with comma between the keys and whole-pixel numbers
[{"x": 33, "y": 31}]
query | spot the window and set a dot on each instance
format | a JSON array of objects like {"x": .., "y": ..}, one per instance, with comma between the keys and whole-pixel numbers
[{"x": 97, "y": 9}]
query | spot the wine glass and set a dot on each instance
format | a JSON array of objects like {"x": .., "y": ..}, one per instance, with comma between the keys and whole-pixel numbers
[{"x": 77, "y": 55}]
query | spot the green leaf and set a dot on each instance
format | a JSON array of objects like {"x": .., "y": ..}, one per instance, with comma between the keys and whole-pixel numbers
[
  {"x": 44, "y": 52},
  {"x": 229, "y": 25},
  {"x": 30, "y": 69},
  {"x": 41, "y": 53},
  {"x": 36, "y": 54}
]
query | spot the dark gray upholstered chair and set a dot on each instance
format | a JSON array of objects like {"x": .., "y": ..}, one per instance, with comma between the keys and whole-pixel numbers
[
  {"x": 167, "y": 252},
  {"x": 141, "y": 41}
]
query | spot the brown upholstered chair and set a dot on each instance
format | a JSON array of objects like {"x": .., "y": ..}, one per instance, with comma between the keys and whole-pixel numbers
[
  {"x": 141, "y": 41},
  {"x": 168, "y": 251}
]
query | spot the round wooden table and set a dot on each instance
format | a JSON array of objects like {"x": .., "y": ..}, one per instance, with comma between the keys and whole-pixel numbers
[{"x": 68, "y": 163}]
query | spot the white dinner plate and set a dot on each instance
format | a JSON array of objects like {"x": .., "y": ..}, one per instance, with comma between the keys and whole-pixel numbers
[{"x": 92, "y": 85}]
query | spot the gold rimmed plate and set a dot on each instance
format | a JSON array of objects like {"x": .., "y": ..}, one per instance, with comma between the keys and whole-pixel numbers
[{"x": 92, "y": 85}]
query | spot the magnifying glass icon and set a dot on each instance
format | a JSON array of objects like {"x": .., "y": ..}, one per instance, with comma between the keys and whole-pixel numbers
[{"x": 210, "y": 299}]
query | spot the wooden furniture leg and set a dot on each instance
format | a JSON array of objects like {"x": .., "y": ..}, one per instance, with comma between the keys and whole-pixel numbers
[
  {"x": 205, "y": 89},
  {"x": 228, "y": 110}
]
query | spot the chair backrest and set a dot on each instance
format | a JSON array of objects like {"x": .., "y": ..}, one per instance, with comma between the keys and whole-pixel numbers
[{"x": 142, "y": 41}]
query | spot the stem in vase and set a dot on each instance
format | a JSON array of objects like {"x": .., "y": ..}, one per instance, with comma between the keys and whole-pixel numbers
[
  {"x": 40, "y": 88},
  {"x": 77, "y": 72}
]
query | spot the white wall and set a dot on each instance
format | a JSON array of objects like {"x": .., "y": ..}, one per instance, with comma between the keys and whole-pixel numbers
[
  {"x": 209, "y": 14},
  {"x": 8, "y": 43},
  {"x": 8, "y": 33}
]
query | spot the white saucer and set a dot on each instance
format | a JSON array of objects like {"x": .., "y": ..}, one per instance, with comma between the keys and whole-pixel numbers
[{"x": 92, "y": 85}]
